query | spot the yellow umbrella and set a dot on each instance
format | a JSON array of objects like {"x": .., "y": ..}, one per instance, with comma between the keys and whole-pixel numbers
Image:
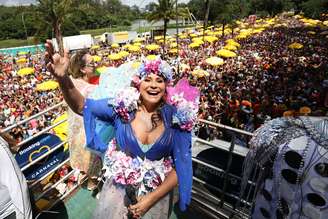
[
  {"x": 174, "y": 51},
  {"x": 232, "y": 42},
  {"x": 151, "y": 57},
  {"x": 25, "y": 71},
  {"x": 95, "y": 47},
  {"x": 226, "y": 53},
  {"x": 152, "y": 47},
  {"x": 311, "y": 32},
  {"x": 115, "y": 45},
  {"x": 173, "y": 45},
  {"x": 230, "y": 47},
  {"x": 96, "y": 58},
  {"x": 325, "y": 23},
  {"x": 61, "y": 129},
  {"x": 214, "y": 61},
  {"x": 123, "y": 53},
  {"x": 241, "y": 36},
  {"x": 137, "y": 44},
  {"x": 139, "y": 39},
  {"x": 47, "y": 85},
  {"x": 22, "y": 60},
  {"x": 295, "y": 46},
  {"x": 114, "y": 56},
  {"x": 159, "y": 37},
  {"x": 194, "y": 45},
  {"x": 210, "y": 39},
  {"x": 134, "y": 48},
  {"x": 22, "y": 53},
  {"x": 100, "y": 70},
  {"x": 200, "y": 73},
  {"x": 198, "y": 39},
  {"x": 172, "y": 40},
  {"x": 126, "y": 46}
]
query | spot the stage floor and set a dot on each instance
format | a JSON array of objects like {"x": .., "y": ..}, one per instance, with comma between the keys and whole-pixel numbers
[{"x": 81, "y": 204}]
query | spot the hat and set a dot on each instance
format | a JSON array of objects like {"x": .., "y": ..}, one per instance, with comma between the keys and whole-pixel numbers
[{"x": 305, "y": 110}]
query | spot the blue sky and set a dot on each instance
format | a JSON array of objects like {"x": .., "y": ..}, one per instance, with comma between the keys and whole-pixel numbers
[{"x": 140, "y": 3}]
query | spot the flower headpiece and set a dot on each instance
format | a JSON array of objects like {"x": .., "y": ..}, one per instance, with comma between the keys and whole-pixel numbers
[{"x": 156, "y": 66}]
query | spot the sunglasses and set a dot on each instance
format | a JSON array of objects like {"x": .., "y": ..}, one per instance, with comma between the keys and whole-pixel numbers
[{"x": 91, "y": 64}]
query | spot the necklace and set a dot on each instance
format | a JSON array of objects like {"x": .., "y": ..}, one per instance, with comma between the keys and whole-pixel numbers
[{"x": 146, "y": 120}]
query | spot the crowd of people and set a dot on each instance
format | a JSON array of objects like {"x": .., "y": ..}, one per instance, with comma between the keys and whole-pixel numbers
[
  {"x": 267, "y": 79},
  {"x": 19, "y": 98}
]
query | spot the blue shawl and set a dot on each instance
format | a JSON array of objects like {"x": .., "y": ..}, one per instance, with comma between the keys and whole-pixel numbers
[{"x": 173, "y": 142}]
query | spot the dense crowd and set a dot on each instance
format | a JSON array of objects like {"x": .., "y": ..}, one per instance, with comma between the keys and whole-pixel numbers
[
  {"x": 19, "y": 98},
  {"x": 266, "y": 80}
]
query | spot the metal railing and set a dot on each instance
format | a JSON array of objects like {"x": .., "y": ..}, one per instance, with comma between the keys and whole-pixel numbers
[
  {"x": 214, "y": 205},
  {"x": 219, "y": 206},
  {"x": 43, "y": 156}
]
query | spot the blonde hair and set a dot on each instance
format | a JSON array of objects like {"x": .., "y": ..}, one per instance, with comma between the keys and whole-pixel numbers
[{"x": 77, "y": 61}]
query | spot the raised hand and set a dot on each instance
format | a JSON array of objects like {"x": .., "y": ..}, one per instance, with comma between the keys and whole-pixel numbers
[{"x": 57, "y": 65}]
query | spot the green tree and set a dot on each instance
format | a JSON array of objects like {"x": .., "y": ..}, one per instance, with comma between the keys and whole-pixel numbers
[
  {"x": 165, "y": 10},
  {"x": 314, "y": 8},
  {"x": 53, "y": 13}
]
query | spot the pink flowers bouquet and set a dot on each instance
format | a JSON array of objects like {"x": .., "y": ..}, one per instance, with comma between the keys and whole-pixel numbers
[{"x": 146, "y": 175}]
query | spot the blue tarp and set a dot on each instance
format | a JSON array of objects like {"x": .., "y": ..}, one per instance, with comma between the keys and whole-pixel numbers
[{"x": 14, "y": 50}]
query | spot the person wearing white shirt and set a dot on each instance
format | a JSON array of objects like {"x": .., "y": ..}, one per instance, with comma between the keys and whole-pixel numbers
[{"x": 14, "y": 194}]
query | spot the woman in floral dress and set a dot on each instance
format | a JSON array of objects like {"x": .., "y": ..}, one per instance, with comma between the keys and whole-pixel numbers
[{"x": 151, "y": 151}]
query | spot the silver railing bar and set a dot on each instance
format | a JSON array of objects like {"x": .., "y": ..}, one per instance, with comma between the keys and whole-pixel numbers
[
  {"x": 226, "y": 205},
  {"x": 218, "y": 146},
  {"x": 43, "y": 156},
  {"x": 54, "y": 185},
  {"x": 45, "y": 176},
  {"x": 219, "y": 190},
  {"x": 226, "y": 127},
  {"x": 212, "y": 167},
  {"x": 218, "y": 169},
  {"x": 210, "y": 207},
  {"x": 31, "y": 117},
  {"x": 41, "y": 132}
]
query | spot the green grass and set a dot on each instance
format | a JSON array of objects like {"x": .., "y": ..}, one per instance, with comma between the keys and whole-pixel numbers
[{"x": 15, "y": 43}]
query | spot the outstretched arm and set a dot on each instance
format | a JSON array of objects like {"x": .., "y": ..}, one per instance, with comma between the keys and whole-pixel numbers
[{"x": 58, "y": 66}]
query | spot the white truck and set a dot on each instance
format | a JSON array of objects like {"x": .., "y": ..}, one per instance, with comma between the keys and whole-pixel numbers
[{"x": 75, "y": 42}]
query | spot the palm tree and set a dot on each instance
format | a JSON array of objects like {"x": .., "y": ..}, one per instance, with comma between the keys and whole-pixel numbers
[
  {"x": 53, "y": 12},
  {"x": 165, "y": 10}
]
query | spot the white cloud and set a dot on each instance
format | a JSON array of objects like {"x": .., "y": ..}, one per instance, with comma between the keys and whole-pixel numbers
[
  {"x": 143, "y": 3},
  {"x": 16, "y": 2},
  {"x": 139, "y": 3}
]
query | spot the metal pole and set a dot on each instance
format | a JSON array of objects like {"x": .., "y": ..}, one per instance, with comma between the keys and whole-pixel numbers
[
  {"x": 177, "y": 37},
  {"x": 24, "y": 28},
  {"x": 226, "y": 173}
]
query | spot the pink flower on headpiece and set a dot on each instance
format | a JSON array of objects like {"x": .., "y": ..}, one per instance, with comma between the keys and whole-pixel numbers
[
  {"x": 136, "y": 81},
  {"x": 153, "y": 66}
]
